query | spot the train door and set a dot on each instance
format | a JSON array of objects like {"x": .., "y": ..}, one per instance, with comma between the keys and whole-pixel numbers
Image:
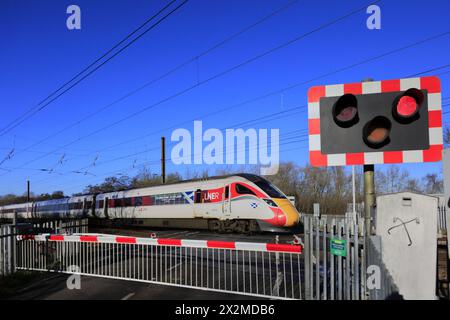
[
  {"x": 85, "y": 209},
  {"x": 197, "y": 203},
  {"x": 33, "y": 210},
  {"x": 106, "y": 206},
  {"x": 93, "y": 205},
  {"x": 226, "y": 201},
  {"x": 122, "y": 208}
]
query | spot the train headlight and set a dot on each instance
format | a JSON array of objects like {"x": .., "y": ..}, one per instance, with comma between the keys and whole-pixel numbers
[{"x": 270, "y": 202}]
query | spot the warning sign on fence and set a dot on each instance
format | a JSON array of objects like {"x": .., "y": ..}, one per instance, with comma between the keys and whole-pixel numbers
[{"x": 338, "y": 247}]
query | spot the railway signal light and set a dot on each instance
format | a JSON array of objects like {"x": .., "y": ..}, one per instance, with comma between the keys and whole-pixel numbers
[{"x": 390, "y": 121}]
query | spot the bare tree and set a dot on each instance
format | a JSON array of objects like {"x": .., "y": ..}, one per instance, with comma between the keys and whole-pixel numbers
[
  {"x": 392, "y": 180},
  {"x": 447, "y": 136},
  {"x": 433, "y": 184},
  {"x": 414, "y": 185},
  {"x": 110, "y": 184}
]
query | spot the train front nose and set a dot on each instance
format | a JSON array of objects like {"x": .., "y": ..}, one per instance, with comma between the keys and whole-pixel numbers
[{"x": 292, "y": 215}]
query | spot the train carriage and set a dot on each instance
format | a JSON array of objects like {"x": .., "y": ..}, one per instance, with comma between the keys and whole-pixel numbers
[
  {"x": 241, "y": 203},
  {"x": 73, "y": 207},
  {"x": 22, "y": 211},
  {"x": 235, "y": 203},
  {"x": 81, "y": 206},
  {"x": 51, "y": 209}
]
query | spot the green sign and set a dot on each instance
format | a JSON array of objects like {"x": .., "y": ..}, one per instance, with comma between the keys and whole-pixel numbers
[{"x": 338, "y": 247}]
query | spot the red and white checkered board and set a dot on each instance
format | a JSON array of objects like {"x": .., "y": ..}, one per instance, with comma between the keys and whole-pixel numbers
[{"x": 434, "y": 153}]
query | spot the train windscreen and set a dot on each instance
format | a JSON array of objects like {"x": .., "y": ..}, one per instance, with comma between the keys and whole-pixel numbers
[{"x": 267, "y": 187}]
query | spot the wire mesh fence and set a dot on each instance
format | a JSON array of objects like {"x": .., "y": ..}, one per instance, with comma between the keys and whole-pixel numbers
[
  {"x": 10, "y": 233},
  {"x": 442, "y": 220},
  {"x": 330, "y": 263},
  {"x": 334, "y": 258},
  {"x": 246, "y": 268},
  {"x": 7, "y": 247}
]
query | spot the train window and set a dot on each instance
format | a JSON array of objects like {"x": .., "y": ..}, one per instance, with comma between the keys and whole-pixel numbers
[
  {"x": 118, "y": 203},
  {"x": 100, "y": 204},
  {"x": 243, "y": 190},
  {"x": 227, "y": 192},
  {"x": 75, "y": 206},
  {"x": 198, "y": 196},
  {"x": 269, "y": 188},
  {"x": 138, "y": 201},
  {"x": 180, "y": 199},
  {"x": 127, "y": 202},
  {"x": 160, "y": 199}
]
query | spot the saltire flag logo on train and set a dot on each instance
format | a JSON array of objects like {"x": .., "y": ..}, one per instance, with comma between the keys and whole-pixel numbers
[
  {"x": 389, "y": 121},
  {"x": 254, "y": 205},
  {"x": 189, "y": 195}
]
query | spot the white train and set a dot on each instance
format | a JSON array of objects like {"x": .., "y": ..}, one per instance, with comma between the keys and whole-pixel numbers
[{"x": 238, "y": 203}]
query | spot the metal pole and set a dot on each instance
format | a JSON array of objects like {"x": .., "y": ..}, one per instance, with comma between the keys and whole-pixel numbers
[
  {"x": 369, "y": 191},
  {"x": 13, "y": 243},
  {"x": 369, "y": 196},
  {"x": 354, "y": 193},
  {"x": 163, "y": 159},
  {"x": 28, "y": 190}
]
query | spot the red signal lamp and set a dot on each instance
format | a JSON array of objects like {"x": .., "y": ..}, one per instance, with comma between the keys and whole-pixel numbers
[
  {"x": 345, "y": 111},
  {"x": 408, "y": 105}
]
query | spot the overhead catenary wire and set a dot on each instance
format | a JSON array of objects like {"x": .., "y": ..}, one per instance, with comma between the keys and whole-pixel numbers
[
  {"x": 429, "y": 70},
  {"x": 272, "y": 116},
  {"x": 268, "y": 117},
  {"x": 299, "y": 83},
  {"x": 166, "y": 74},
  {"x": 41, "y": 107},
  {"x": 284, "y": 139},
  {"x": 110, "y": 50},
  {"x": 275, "y": 92},
  {"x": 8, "y": 156},
  {"x": 141, "y": 137},
  {"x": 240, "y": 65},
  {"x": 156, "y": 162},
  {"x": 232, "y": 151}
]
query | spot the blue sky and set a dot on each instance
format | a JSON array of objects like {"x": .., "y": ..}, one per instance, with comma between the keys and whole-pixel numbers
[{"x": 39, "y": 54}]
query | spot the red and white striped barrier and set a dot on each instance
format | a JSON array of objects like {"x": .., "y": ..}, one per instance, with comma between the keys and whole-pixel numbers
[{"x": 213, "y": 244}]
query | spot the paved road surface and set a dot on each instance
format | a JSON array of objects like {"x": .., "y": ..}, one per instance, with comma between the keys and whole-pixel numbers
[{"x": 94, "y": 288}]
